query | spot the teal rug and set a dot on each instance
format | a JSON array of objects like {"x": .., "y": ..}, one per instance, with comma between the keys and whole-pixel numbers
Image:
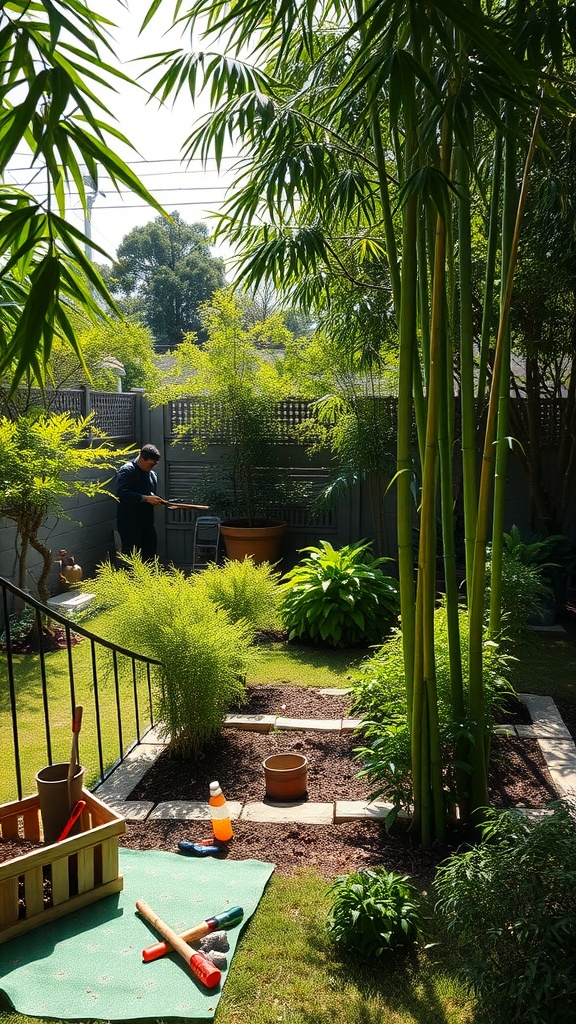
[{"x": 88, "y": 965}]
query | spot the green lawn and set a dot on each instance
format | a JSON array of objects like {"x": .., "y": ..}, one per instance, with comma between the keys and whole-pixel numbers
[
  {"x": 31, "y": 727},
  {"x": 286, "y": 968},
  {"x": 547, "y": 665},
  {"x": 293, "y": 665}
]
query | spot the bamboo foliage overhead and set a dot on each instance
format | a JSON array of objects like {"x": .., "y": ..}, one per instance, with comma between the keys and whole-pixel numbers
[{"x": 57, "y": 64}]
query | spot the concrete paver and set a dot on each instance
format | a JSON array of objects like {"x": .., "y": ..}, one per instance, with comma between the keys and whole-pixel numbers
[
  {"x": 350, "y": 724},
  {"x": 154, "y": 735},
  {"x": 560, "y": 756},
  {"x": 354, "y": 810},
  {"x": 191, "y": 810},
  {"x": 309, "y": 724},
  {"x": 128, "y": 774},
  {"x": 253, "y": 723},
  {"x": 132, "y": 810},
  {"x": 70, "y": 602},
  {"x": 302, "y": 813}
]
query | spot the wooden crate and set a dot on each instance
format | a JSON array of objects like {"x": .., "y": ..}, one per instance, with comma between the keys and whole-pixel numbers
[{"x": 76, "y": 872}]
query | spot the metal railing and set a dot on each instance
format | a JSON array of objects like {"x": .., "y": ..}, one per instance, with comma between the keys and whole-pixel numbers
[{"x": 113, "y": 685}]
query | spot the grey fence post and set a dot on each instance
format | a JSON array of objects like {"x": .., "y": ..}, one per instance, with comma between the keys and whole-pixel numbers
[{"x": 138, "y": 402}]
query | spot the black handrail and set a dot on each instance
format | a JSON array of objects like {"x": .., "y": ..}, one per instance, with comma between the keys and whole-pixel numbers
[{"x": 41, "y": 613}]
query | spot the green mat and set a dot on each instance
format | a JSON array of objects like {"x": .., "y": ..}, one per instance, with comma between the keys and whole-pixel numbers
[{"x": 88, "y": 965}]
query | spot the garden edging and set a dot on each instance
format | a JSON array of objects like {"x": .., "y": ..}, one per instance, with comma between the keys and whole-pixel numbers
[{"x": 556, "y": 744}]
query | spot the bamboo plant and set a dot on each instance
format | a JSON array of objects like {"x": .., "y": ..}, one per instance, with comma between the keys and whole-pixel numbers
[{"x": 384, "y": 120}]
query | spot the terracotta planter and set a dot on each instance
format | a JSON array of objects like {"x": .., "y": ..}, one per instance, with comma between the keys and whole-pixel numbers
[
  {"x": 262, "y": 541},
  {"x": 286, "y": 776}
]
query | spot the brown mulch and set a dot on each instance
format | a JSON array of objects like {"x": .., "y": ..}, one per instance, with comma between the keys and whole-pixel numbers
[
  {"x": 519, "y": 778},
  {"x": 53, "y": 639}
]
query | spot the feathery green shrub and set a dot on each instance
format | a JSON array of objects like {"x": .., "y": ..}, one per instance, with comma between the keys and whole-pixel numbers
[
  {"x": 339, "y": 597},
  {"x": 204, "y": 655},
  {"x": 524, "y": 591},
  {"x": 510, "y": 908},
  {"x": 246, "y": 591}
]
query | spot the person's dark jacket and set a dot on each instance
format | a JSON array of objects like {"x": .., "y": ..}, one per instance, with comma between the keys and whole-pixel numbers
[{"x": 132, "y": 484}]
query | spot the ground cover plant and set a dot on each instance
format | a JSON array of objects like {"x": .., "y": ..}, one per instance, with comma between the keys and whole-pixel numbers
[{"x": 375, "y": 912}]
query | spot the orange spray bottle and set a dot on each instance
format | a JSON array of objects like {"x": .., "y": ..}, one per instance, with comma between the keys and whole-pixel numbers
[{"x": 221, "y": 824}]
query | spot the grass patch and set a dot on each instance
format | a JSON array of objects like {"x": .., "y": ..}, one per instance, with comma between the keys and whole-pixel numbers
[
  {"x": 113, "y": 707},
  {"x": 284, "y": 664},
  {"x": 286, "y": 968},
  {"x": 546, "y": 665}
]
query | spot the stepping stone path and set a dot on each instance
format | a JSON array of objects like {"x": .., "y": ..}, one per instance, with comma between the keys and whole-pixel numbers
[{"x": 547, "y": 727}]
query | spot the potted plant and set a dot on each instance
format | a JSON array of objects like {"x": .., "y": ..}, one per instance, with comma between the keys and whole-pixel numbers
[{"x": 237, "y": 387}]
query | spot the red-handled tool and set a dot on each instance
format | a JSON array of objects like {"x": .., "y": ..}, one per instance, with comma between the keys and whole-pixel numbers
[
  {"x": 226, "y": 919},
  {"x": 204, "y": 970},
  {"x": 78, "y": 808}
]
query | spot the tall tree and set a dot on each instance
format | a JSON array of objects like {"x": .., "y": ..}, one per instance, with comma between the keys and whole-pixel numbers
[
  {"x": 168, "y": 269},
  {"x": 350, "y": 112}
]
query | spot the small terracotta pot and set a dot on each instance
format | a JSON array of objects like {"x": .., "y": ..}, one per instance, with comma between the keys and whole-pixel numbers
[{"x": 286, "y": 776}]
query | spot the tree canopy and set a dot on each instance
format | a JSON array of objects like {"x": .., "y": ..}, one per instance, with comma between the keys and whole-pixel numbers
[{"x": 167, "y": 270}]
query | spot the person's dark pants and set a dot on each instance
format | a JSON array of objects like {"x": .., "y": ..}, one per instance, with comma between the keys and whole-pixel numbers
[{"x": 140, "y": 537}]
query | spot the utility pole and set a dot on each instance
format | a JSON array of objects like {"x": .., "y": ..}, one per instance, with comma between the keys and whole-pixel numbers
[{"x": 90, "y": 200}]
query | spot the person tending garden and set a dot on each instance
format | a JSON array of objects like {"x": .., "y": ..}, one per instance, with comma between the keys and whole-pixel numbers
[{"x": 136, "y": 488}]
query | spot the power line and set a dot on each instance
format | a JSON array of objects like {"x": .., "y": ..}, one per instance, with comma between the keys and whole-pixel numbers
[
  {"x": 148, "y": 163},
  {"x": 146, "y": 206}
]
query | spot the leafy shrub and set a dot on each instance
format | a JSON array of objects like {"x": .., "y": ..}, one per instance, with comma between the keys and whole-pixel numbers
[
  {"x": 244, "y": 590},
  {"x": 374, "y": 912},
  {"x": 340, "y": 598},
  {"x": 510, "y": 907},
  {"x": 379, "y": 697},
  {"x": 524, "y": 589},
  {"x": 203, "y": 654},
  {"x": 545, "y": 552}
]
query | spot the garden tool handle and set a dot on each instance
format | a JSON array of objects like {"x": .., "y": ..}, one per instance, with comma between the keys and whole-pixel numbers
[{"x": 199, "y": 964}]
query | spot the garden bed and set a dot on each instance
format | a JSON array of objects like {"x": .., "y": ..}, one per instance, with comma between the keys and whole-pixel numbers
[{"x": 519, "y": 777}]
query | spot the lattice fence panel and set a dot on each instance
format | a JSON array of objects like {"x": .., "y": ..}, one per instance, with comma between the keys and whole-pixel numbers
[
  {"x": 186, "y": 482},
  {"x": 201, "y": 413},
  {"x": 114, "y": 413}
]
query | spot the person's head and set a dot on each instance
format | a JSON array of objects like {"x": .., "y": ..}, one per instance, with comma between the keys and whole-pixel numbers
[{"x": 149, "y": 456}]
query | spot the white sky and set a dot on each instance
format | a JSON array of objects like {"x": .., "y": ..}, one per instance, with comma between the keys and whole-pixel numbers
[{"x": 158, "y": 134}]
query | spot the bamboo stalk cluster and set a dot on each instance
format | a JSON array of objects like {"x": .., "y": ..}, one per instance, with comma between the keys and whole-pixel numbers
[{"x": 388, "y": 147}]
